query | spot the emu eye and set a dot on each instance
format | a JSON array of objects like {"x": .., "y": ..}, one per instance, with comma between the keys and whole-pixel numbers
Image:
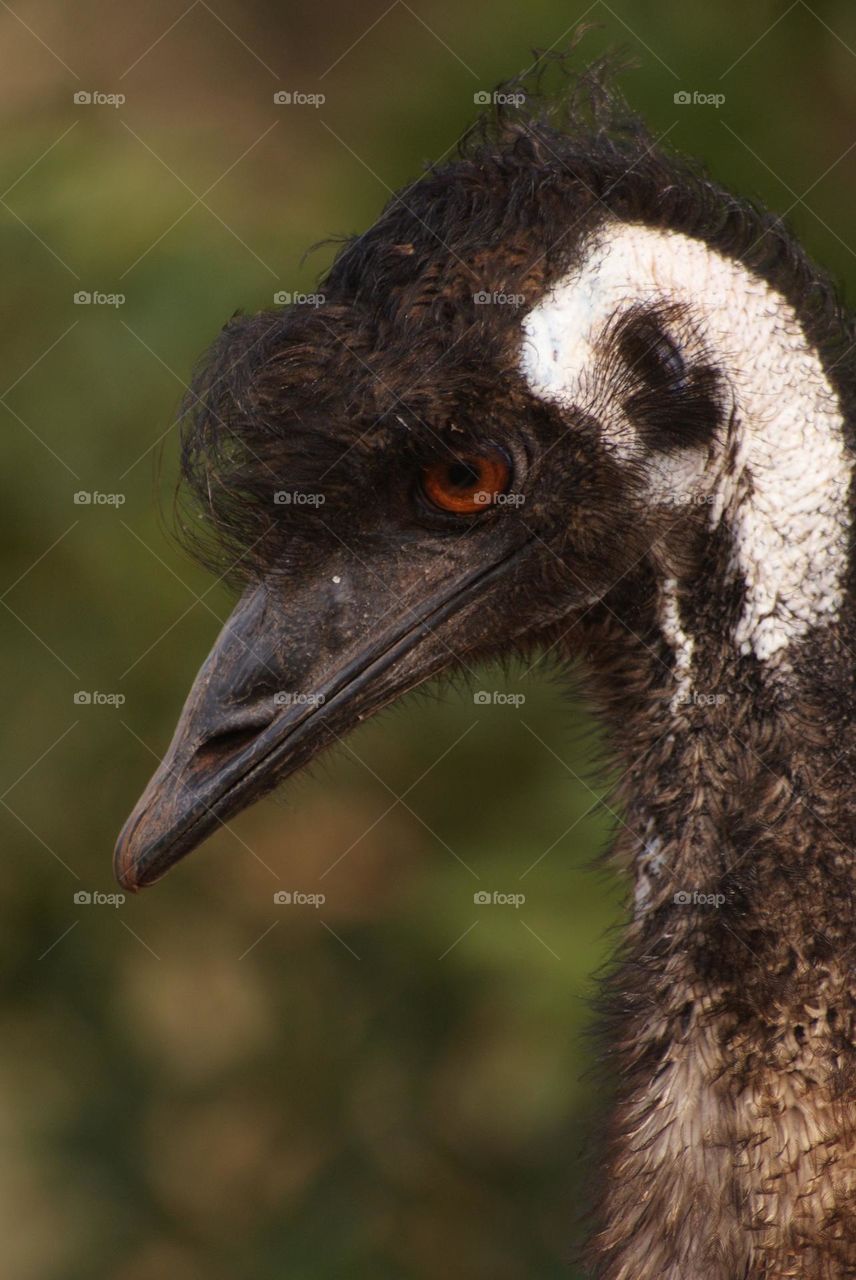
[{"x": 468, "y": 482}]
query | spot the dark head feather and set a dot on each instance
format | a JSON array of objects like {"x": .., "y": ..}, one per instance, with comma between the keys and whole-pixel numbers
[{"x": 318, "y": 403}]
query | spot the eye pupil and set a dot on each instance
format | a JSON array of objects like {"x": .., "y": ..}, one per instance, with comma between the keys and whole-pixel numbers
[{"x": 462, "y": 475}]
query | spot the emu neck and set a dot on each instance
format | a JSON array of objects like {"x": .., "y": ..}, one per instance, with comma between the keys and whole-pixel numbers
[
  {"x": 732, "y": 1152},
  {"x": 725, "y": 764}
]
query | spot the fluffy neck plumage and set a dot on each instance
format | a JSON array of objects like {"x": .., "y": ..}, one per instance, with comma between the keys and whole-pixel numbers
[
  {"x": 732, "y": 1151},
  {"x": 724, "y": 673}
]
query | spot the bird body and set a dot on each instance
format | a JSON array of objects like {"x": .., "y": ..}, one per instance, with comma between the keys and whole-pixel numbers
[{"x": 671, "y": 397}]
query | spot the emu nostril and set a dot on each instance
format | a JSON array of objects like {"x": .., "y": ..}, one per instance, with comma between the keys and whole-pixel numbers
[{"x": 228, "y": 743}]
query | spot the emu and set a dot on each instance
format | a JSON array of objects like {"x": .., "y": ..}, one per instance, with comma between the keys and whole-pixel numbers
[{"x": 643, "y": 462}]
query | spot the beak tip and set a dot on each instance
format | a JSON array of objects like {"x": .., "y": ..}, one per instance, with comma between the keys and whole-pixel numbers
[
  {"x": 146, "y": 849},
  {"x": 129, "y": 860},
  {"x": 125, "y": 869}
]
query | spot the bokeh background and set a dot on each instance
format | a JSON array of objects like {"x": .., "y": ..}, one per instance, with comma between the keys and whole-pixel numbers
[{"x": 201, "y": 1084}]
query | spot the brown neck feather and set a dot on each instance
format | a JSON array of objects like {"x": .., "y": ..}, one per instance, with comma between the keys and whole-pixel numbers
[{"x": 731, "y": 1012}]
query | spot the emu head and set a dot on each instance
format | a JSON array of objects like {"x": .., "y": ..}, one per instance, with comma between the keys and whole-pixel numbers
[{"x": 565, "y": 389}]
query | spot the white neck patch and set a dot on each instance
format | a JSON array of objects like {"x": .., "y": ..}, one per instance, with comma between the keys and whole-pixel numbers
[{"x": 786, "y": 503}]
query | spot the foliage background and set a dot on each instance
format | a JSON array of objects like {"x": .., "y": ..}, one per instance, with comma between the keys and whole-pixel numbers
[{"x": 200, "y": 1084}]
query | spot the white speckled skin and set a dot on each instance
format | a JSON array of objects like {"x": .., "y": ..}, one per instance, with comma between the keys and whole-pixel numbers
[{"x": 785, "y": 502}]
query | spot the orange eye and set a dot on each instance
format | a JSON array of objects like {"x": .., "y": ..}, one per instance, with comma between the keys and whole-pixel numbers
[{"x": 466, "y": 483}]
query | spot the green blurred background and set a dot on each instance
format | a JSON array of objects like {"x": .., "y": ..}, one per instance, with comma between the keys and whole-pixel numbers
[{"x": 200, "y": 1083}]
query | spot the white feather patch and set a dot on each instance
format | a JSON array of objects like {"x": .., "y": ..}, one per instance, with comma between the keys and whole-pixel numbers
[
  {"x": 681, "y": 643},
  {"x": 786, "y": 503}
]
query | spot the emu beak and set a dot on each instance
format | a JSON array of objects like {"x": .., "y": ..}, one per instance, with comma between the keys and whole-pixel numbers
[{"x": 293, "y": 669}]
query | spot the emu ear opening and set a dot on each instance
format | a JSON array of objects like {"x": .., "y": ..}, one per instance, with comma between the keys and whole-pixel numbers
[{"x": 293, "y": 670}]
